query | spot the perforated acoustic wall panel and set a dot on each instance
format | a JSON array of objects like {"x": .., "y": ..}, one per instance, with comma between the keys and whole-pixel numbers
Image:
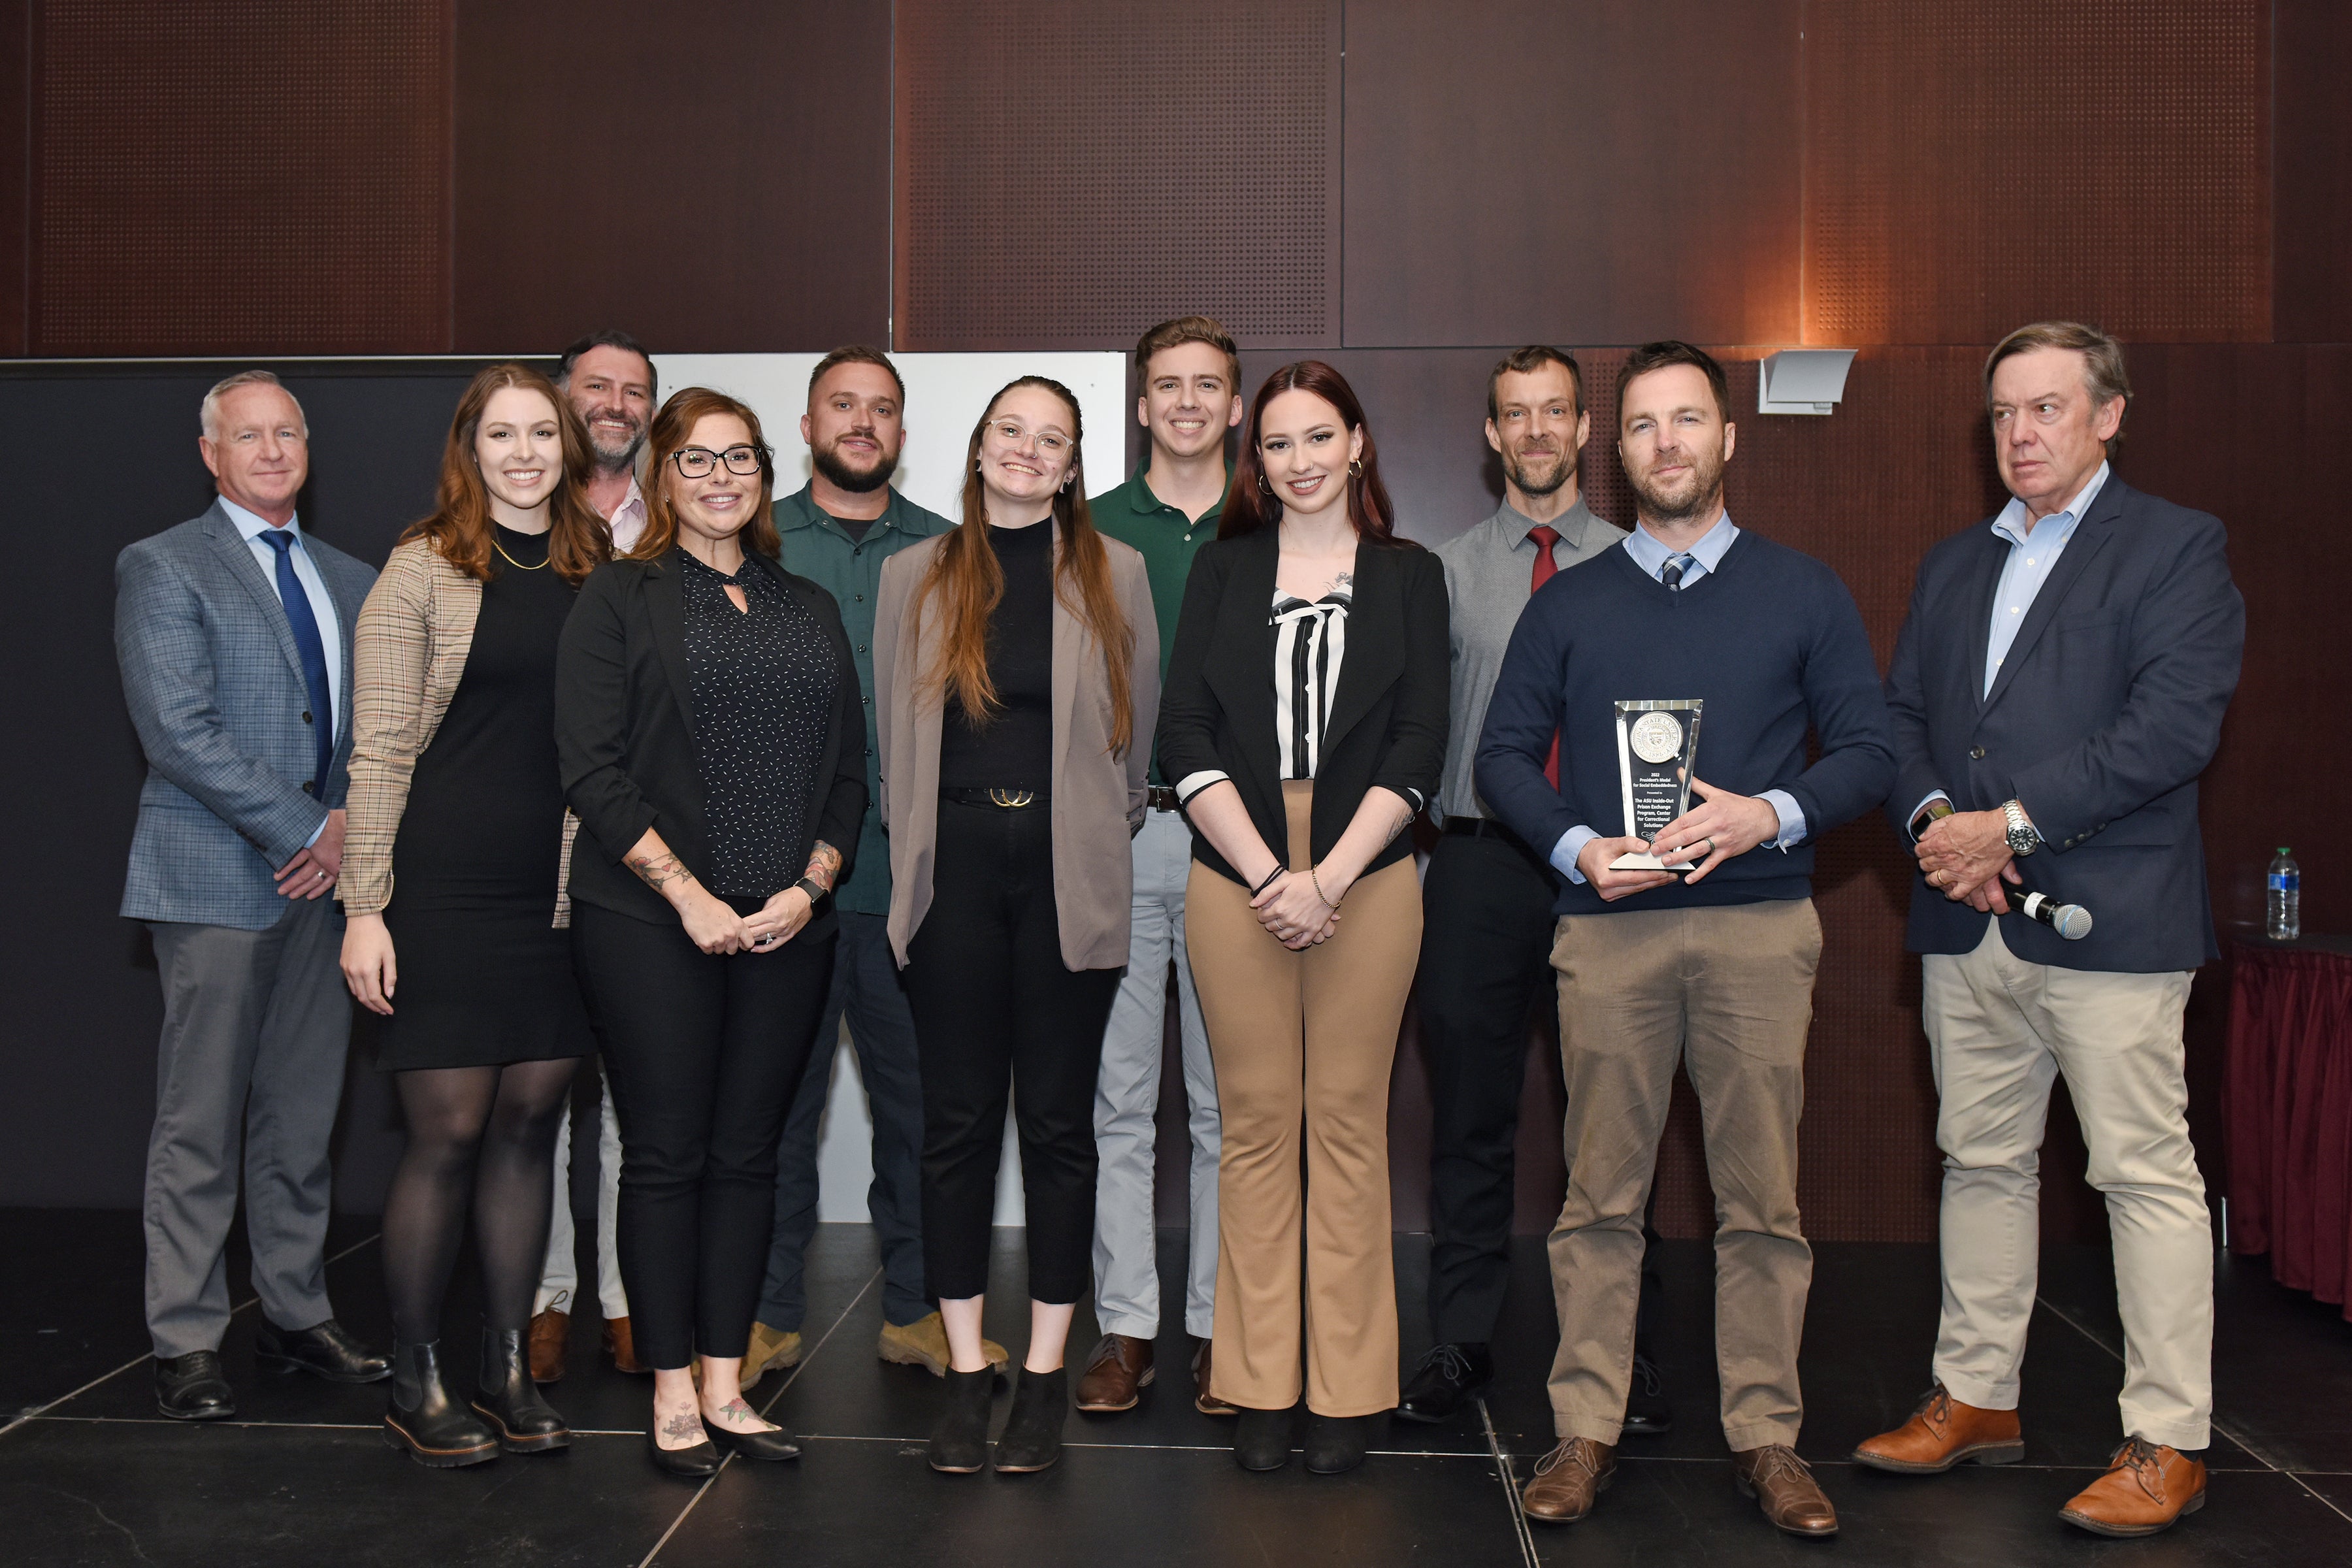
[
  {"x": 242, "y": 176},
  {"x": 1971, "y": 167},
  {"x": 1065, "y": 183}
]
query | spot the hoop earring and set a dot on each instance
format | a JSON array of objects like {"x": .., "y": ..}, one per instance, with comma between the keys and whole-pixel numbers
[
  {"x": 1265, "y": 486},
  {"x": 1355, "y": 468}
]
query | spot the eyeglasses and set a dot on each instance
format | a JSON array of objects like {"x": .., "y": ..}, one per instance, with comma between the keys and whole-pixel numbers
[
  {"x": 1052, "y": 443},
  {"x": 697, "y": 462}
]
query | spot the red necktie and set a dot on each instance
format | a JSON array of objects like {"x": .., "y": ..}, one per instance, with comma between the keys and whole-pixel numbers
[{"x": 1545, "y": 538}]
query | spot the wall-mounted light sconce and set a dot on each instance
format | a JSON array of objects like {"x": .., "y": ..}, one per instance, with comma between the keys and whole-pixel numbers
[{"x": 1801, "y": 381}]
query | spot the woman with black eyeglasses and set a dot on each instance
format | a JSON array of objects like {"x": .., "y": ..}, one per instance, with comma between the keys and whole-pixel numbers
[{"x": 712, "y": 739}]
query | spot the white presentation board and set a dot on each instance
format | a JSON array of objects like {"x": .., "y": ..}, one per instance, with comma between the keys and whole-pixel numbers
[{"x": 946, "y": 395}]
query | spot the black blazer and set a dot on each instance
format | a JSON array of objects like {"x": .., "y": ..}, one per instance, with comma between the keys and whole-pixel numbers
[
  {"x": 1387, "y": 717},
  {"x": 625, "y": 734},
  {"x": 2107, "y": 707}
]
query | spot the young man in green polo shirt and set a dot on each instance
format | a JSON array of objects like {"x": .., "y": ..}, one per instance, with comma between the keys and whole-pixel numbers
[
  {"x": 837, "y": 532},
  {"x": 1189, "y": 398}
]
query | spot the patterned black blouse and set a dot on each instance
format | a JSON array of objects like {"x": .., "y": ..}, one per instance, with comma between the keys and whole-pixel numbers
[{"x": 763, "y": 684}]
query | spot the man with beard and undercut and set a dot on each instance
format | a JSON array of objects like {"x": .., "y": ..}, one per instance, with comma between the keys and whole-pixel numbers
[
  {"x": 608, "y": 378},
  {"x": 837, "y": 532},
  {"x": 1701, "y": 954},
  {"x": 1487, "y": 923}
]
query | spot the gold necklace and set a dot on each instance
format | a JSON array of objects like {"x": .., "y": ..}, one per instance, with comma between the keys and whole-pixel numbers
[{"x": 511, "y": 559}]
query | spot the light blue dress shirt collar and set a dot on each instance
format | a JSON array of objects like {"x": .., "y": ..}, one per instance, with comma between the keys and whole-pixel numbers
[
  {"x": 251, "y": 527},
  {"x": 2011, "y": 523},
  {"x": 1707, "y": 555},
  {"x": 2033, "y": 556}
]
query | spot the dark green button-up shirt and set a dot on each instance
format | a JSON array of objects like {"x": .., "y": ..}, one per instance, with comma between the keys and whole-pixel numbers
[
  {"x": 1169, "y": 540},
  {"x": 818, "y": 548}
]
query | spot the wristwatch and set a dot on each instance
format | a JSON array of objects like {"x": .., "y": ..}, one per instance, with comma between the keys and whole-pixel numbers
[
  {"x": 2023, "y": 839},
  {"x": 816, "y": 895}
]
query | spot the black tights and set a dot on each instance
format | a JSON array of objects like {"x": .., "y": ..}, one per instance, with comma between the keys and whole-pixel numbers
[{"x": 483, "y": 1134}]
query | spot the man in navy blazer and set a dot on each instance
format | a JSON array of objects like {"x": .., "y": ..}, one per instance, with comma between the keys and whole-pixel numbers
[
  {"x": 2057, "y": 688},
  {"x": 234, "y": 635}
]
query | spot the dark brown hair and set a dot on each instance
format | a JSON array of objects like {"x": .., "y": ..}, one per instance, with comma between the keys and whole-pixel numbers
[
  {"x": 1187, "y": 330},
  {"x": 1672, "y": 351},
  {"x": 1251, "y": 504},
  {"x": 1534, "y": 357},
  {"x": 969, "y": 581},
  {"x": 2103, "y": 376},
  {"x": 687, "y": 407},
  {"x": 459, "y": 528},
  {"x": 857, "y": 354}
]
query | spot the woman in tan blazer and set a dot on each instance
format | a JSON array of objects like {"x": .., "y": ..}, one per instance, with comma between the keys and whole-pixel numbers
[
  {"x": 1016, "y": 661},
  {"x": 454, "y": 789}
]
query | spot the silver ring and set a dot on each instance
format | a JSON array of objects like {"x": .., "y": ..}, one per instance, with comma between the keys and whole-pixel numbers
[{"x": 1710, "y": 844}]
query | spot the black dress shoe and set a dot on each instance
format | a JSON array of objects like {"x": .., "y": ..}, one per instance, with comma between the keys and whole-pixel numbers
[
  {"x": 421, "y": 1418},
  {"x": 696, "y": 1462},
  {"x": 1336, "y": 1443},
  {"x": 1032, "y": 1432},
  {"x": 774, "y": 1446},
  {"x": 1262, "y": 1440},
  {"x": 959, "y": 1441},
  {"x": 190, "y": 1387},
  {"x": 1449, "y": 1377},
  {"x": 326, "y": 1351},
  {"x": 508, "y": 1400},
  {"x": 1647, "y": 1414}
]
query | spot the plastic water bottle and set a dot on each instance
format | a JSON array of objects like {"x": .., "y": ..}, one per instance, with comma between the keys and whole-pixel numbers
[{"x": 2286, "y": 880}]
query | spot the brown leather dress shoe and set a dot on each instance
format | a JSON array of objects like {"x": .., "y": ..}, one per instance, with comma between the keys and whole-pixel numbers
[
  {"x": 1940, "y": 1434},
  {"x": 2146, "y": 1486},
  {"x": 1784, "y": 1488},
  {"x": 1206, "y": 1403},
  {"x": 1116, "y": 1374},
  {"x": 1567, "y": 1480},
  {"x": 621, "y": 1347},
  {"x": 548, "y": 1331}
]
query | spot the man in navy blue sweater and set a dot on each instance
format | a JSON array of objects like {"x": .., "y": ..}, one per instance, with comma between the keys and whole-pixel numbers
[{"x": 1710, "y": 963}]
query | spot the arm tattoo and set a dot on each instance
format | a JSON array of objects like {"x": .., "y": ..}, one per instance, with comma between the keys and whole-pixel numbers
[
  {"x": 824, "y": 865},
  {"x": 658, "y": 871},
  {"x": 1396, "y": 828}
]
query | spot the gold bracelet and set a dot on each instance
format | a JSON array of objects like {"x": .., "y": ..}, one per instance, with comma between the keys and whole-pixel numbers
[{"x": 1319, "y": 893}]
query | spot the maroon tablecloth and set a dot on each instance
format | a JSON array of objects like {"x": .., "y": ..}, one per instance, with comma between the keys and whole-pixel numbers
[{"x": 2286, "y": 1096}]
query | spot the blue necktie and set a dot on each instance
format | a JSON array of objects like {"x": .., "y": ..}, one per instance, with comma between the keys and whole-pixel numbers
[
  {"x": 305, "y": 626},
  {"x": 1671, "y": 574}
]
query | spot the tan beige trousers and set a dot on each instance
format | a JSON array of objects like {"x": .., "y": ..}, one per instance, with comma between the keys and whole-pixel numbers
[
  {"x": 1303, "y": 1044},
  {"x": 1727, "y": 993}
]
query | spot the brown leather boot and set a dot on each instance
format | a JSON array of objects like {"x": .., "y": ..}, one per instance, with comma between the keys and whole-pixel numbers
[
  {"x": 546, "y": 1334},
  {"x": 1206, "y": 1403},
  {"x": 621, "y": 1347},
  {"x": 2146, "y": 1486},
  {"x": 1116, "y": 1374},
  {"x": 1567, "y": 1479},
  {"x": 1784, "y": 1488},
  {"x": 1940, "y": 1434}
]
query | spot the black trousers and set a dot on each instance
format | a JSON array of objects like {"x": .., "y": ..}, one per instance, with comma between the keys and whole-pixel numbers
[
  {"x": 995, "y": 1012},
  {"x": 703, "y": 1054},
  {"x": 1485, "y": 963}
]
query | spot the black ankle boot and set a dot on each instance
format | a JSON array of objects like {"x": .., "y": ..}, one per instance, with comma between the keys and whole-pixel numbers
[
  {"x": 1262, "y": 1441},
  {"x": 510, "y": 1401},
  {"x": 422, "y": 1418},
  {"x": 1032, "y": 1432},
  {"x": 959, "y": 1441},
  {"x": 1336, "y": 1443}
]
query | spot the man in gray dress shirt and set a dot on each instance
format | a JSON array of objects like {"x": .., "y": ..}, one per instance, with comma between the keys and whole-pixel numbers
[{"x": 1485, "y": 953}]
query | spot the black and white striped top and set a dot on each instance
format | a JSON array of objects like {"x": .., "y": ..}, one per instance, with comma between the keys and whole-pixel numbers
[{"x": 1310, "y": 643}]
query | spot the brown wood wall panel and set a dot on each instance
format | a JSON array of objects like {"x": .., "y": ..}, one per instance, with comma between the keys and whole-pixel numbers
[
  {"x": 16, "y": 171},
  {"x": 240, "y": 177},
  {"x": 1969, "y": 167},
  {"x": 2312, "y": 203},
  {"x": 714, "y": 180},
  {"x": 1540, "y": 171},
  {"x": 1067, "y": 175}
]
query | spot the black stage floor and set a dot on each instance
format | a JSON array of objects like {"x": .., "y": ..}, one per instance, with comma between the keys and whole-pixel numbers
[{"x": 89, "y": 1475}]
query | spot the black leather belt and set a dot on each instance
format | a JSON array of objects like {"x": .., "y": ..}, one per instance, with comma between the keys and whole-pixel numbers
[
  {"x": 1161, "y": 798},
  {"x": 1004, "y": 799},
  {"x": 1487, "y": 827}
]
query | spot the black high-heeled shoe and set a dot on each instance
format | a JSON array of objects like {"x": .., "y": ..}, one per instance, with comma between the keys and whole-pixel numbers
[
  {"x": 510, "y": 1401},
  {"x": 1262, "y": 1440},
  {"x": 435, "y": 1429},
  {"x": 1032, "y": 1432},
  {"x": 960, "y": 1442},
  {"x": 777, "y": 1445},
  {"x": 1336, "y": 1443}
]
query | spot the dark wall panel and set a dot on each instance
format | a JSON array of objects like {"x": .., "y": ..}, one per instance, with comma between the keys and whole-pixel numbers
[
  {"x": 1067, "y": 179},
  {"x": 240, "y": 177},
  {"x": 715, "y": 179},
  {"x": 15, "y": 166},
  {"x": 1972, "y": 167},
  {"x": 1535, "y": 171},
  {"x": 2312, "y": 203}
]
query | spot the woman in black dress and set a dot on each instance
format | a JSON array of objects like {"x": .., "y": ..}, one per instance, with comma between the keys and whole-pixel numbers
[
  {"x": 712, "y": 742},
  {"x": 456, "y": 824}
]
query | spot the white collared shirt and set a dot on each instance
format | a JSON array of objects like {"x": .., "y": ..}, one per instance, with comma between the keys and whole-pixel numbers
[
  {"x": 314, "y": 588},
  {"x": 629, "y": 520}
]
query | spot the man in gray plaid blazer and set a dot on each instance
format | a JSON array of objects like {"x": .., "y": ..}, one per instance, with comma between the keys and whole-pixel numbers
[{"x": 233, "y": 634}]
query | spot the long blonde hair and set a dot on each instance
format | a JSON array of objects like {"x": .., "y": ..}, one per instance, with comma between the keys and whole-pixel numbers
[{"x": 969, "y": 581}]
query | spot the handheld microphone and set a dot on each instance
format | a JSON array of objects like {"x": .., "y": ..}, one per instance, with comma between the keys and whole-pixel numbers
[{"x": 2071, "y": 922}]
